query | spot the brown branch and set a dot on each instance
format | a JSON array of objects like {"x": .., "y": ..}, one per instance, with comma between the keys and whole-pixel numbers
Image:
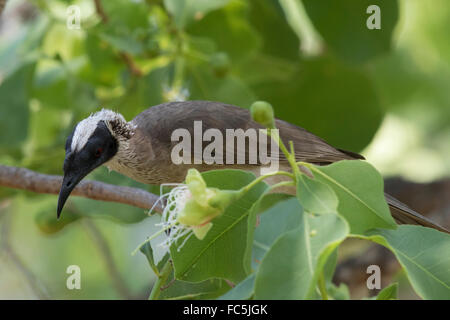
[
  {"x": 100, "y": 11},
  {"x": 2, "y": 5},
  {"x": 24, "y": 179},
  {"x": 127, "y": 58}
]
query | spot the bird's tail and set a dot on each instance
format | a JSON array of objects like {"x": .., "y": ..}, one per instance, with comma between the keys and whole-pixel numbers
[{"x": 405, "y": 215}]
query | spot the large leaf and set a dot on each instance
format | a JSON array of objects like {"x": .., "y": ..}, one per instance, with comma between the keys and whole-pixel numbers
[
  {"x": 423, "y": 253},
  {"x": 359, "y": 188},
  {"x": 343, "y": 26},
  {"x": 221, "y": 254},
  {"x": 291, "y": 268},
  {"x": 273, "y": 222},
  {"x": 315, "y": 196}
]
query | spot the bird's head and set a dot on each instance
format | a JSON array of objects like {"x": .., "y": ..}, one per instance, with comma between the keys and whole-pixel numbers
[{"x": 94, "y": 141}]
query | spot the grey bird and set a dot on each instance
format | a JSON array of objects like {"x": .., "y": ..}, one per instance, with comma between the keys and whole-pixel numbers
[{"x": 142, "y": 148}]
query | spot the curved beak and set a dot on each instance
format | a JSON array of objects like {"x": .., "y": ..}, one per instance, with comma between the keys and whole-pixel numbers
[{"x": 70, "y": 181}]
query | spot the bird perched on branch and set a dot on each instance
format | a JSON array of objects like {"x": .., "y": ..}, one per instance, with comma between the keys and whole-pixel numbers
[{"x": 142, "y": 149}]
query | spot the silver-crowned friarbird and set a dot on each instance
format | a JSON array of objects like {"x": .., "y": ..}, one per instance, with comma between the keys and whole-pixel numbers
[{"x": 142, "y": 148}]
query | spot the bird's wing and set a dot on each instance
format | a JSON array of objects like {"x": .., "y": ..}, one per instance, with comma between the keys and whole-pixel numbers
[
  {"x": 159, "y": 122},
  {"x": 405, "y": 215}
]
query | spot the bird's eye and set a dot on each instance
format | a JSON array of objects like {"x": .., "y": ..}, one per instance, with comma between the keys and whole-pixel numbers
[{"x": 98, "y": 152}]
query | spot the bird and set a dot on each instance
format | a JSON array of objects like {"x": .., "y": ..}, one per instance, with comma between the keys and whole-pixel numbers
[{"x": 142, "y": 148}]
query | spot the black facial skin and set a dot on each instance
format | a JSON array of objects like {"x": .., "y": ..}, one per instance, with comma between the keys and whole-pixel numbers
[{"x": 100, "y": 148}]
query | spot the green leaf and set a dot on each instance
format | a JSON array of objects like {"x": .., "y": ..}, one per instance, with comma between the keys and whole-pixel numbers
[
  {"x": 271, "y": 199},
  {"x": 48, "y": 223},
  {"x": 342, "y": 25},
  {"x": 116, "y": 212},
  {"x": 273, "y": 222},
  {"x": 359, "y": 188},
  {"x": 123, "y": 43},
  {"x": 222, "y": 252},
  {"x": 388, "y": 293},
  {"x": 126, "y": 15},
  {"x": 22, "y": 49},
  {"x": 315, "y": 196},
  {"x": 278, "y": 38},
  {"x": 243, "y": 291},
  {"x": 147, "y": 250},
  {"x": 14, "y": 113},
  {"x": 338, "y": 293},
  {"x": 141, "y": 93},
  {"x": 185, "y": 11},
  {"x": 330, "y": 266},
  {"x": 291, "y": 267},
  {"x": 103, "y": 62},
  {"x": 183, "y": 290},
  {"x": 229, "y": 30},
  {"x": 423, "y": 253}
]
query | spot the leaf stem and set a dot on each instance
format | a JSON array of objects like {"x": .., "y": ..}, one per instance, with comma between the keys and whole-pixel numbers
[
  {"x": 164, "y": 275},
  {"x": 261, "y": 178},
  {"x": 290, "y": 156},
  {"x": 282, "y": 184},
  {"x": 322, "y": 287}
]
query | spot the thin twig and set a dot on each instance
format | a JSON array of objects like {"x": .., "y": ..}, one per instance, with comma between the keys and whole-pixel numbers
[
  {"x": 103, "y": 248},
  {"x": 38, "y": 288},
  {"x": 25, "y": 179},
  {"x": 2, "y": 5},
  {"x": 100, "y": 11},
  {"x": 127, "y": 58}
]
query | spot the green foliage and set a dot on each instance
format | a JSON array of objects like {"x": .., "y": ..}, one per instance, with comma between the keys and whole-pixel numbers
[
  {"x": 294, "y": 246},
  {"x": 359, "y": 188},
  {"x": 422, "y": 252},
  {"x": 243, "y": 291},
  {"x": 14, "y": 94},
  {"x": 343, "y": 26},
  {"x": 388, "y": 293},
  {"x": 149, "y": 52},
  {"x": 281, "y": 272},
  {"x": 222, "y": 253},
  {"x": 316, "y": 196}
]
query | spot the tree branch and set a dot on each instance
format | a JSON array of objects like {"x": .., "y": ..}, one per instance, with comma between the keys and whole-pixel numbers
[
  {"x": 2, "y": 5},
  {"x": 24, "y": 179},
  {"x": 127, "y": 58}
]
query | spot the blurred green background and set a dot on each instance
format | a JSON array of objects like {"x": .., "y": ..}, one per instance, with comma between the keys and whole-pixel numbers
[{"x": 385, "y": 93}]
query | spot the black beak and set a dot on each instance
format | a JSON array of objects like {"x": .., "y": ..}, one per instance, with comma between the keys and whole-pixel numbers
[{"x": 69, "y": 183}]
